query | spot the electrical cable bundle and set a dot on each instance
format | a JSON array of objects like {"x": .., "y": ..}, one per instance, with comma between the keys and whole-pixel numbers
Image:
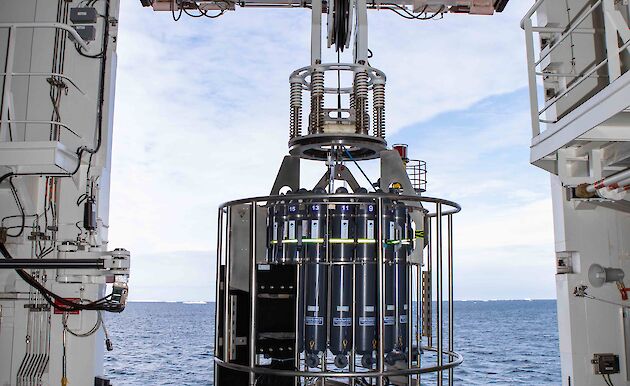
[
  {"x": 62, "y": 304},
  {"x": 202, "y": 12},
  {"x": 396, "y": 8}
]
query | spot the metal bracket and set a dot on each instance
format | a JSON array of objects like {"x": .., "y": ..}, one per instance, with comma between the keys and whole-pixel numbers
[
  {"x": 288, "y": 175},
  {"x": 393, "y": 171}
]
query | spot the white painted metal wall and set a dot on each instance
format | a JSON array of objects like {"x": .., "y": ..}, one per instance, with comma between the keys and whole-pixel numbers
[
  {"x": 589, "y": 234},
  {"x": 580, "y": 92},
  {"x": 26, "y": 146}
]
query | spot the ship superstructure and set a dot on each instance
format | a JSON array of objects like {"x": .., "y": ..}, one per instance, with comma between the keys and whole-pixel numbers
[
  {"x": 58, "y": 275},
  {"x": 578, "y": 55}
]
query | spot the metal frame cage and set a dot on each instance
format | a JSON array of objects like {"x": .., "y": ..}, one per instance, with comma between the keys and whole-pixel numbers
[{"x": 269, "y": 348}]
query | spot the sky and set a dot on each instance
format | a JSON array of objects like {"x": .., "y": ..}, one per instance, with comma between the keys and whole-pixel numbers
[{"x": 202, "y": 118}]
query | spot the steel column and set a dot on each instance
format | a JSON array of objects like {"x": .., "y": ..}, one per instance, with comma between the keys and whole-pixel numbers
[
  {"x": 451, "y": 344},
  {"x": 227, "y": 318},
  {"x": 218, "y": 285},
  {"x": 252, "y": 293},
  {"x": 440, "y": 311},
  {"x": 381, "y": 294},
  {"x": 531, "y": 77},
  {"x": 316, "y": 32}
]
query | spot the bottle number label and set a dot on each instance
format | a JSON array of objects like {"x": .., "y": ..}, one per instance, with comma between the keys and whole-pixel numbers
[
  {"x": 342, "y": 322},
  {"x": 314, "y": 321},
  {"x": 367, "y": 321}
]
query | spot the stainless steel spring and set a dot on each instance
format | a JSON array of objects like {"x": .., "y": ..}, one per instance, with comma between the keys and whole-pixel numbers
[
  {"x": 361, "y": 102},
  {"x": 295, "y": 125},
  {"x": 317, "y": 102},
  {"x": 379, "y": 108}
]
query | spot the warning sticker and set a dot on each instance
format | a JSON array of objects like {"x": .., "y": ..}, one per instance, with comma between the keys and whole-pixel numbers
[
  {"x": 403, "y": 319},
  {"x": 389, "y": 320}
]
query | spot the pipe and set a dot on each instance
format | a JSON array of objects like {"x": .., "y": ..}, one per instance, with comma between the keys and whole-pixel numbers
[
  {"x": 52, "y": 264},
  {"x": 618, "y": 179},
  {"x": 61, "y": 26}
]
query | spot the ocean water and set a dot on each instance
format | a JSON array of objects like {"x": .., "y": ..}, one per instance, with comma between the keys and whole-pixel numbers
[{"x": 503, "y": 343}]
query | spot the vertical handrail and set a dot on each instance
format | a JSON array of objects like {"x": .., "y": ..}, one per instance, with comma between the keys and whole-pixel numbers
[
  {"x": 531, "y": 76},
  {"x": 614, "y": 60},
  {"x": 226, "y": 291},
  {"x": 440, "y": 311},
  {"x": 298, "y": 294},
  {"x": 430, "y": 277},
  {"x": 218, "y": 285},
  {"x": 8, "y": 79},
  {"x": 430, "y": 289},
  {"x": 419, "y": 315},
  {"x": 451, "y": 310},
  {"x": 409, "y": 315},
  {"x": 354, "y": 322},
  {"x": 252, "y": 294}
]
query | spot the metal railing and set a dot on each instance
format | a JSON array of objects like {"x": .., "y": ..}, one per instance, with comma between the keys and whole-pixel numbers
[
  {"x": 613, "y": 57},
  {"x": 417, "y": 172},
  {"x": 6, "y": 109},
  {"x": 439, "y": 254}
]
